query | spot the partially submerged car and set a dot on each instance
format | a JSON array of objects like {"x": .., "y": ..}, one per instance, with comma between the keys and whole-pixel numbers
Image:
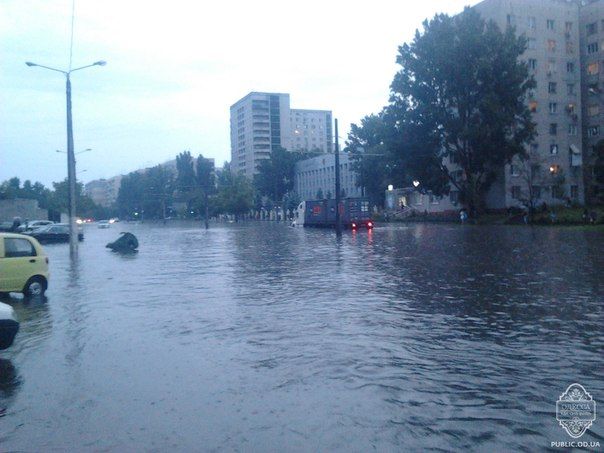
[{"x": 23, "y": 265}]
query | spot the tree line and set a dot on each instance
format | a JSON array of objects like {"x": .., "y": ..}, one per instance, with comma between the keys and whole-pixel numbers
[{"x": 55, "y": 200}]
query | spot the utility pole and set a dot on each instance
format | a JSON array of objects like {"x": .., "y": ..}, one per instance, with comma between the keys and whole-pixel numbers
[
  {"x": 71, "y": 172},
  {"x": 71, "y": 176},
  {"x": 338, "y": 191}
]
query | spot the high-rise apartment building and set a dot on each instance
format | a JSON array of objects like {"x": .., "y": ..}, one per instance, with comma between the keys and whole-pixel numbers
[
  {"x": 592, "y": 91},
  {"x": 554, "y": 172},
  {"x": 262, "y": 122}
]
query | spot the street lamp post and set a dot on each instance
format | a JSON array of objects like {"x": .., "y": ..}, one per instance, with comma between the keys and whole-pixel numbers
[{"x": 71, "y": 173}]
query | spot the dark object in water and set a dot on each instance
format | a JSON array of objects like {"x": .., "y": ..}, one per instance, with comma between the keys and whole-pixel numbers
[{"x": 127, "y": 242}]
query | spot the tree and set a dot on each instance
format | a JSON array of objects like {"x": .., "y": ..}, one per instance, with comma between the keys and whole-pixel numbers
[
  {"x": 372, "y": 159},
  {"x": 185, "y": 180},
  {"x": 235, "y": 193},
  {"x": 130, "y": 195},
  {"x": 275, "y": 175},
  {"x": 206, "y": 182},
  {"x": 157, "y": 191},
  {"x": 461, "y": 96}
]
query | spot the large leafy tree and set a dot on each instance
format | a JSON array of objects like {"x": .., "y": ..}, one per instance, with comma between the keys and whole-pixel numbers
[
  {"x": 235, "y": 193},
  {"x": 275, "y": 177},
  {"x": 461, "y": 94},
  {"x": 186, "y": 181},
  {"x": 157, "y": 191},
  {"x": 206, "y": 184}
]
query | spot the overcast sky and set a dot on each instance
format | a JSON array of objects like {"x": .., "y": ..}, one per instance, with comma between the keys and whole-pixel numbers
[{"x": 174, "y": 68}]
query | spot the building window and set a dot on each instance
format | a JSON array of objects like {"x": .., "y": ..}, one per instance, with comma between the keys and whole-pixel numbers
[
  {"x": 511, "y": 19},
  {"x": 593, "y": 131},
  {"x": 570, "y": 88},
  {"x": 514, "y": 170},
  {"x": 593, "y": 68},
  {"x": 551, "y": 45},
  {"x": 570, "y": 67},
  {"x": 553, "y": 107},
  {"x": 532, "y": 22},
  {"x": 574, "y": 191},
  {"x": 557, "y": 192},
  {"x": 516, "y": 192},
  {"x": 592, "y": 47},
  {"x": 550, "y": 24},
  {"x": 533, "y": 106},
  {"x": 551, "y": 87},
  {"x": 568, "y": 27},
  {"x": 572, "y": 129},
  {"x": 592, "y": 28},
  {"x": 532, "y": 43},
  {"x": 553, "y": 128},
  {"x": 570, "y": 48},
  {"x": 551, "y": 67},
  {"x": 532, "y": 63},
  {"x": 553, "y": 148},
  {"x": 593, "y": 110}
]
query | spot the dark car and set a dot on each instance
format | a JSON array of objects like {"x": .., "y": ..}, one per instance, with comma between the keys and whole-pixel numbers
[{"x": 54, "y": 233}]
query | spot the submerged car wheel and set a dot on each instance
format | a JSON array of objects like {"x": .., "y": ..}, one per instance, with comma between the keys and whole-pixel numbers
[{"x": 35, "y": 286}]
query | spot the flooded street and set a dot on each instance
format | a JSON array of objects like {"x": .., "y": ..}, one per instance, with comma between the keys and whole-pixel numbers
[{"x": 267, "y": 338}]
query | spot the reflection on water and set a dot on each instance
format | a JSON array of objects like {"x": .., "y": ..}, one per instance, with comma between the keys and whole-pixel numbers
[
  {"x": 9, "y": 382},
  {"x": 264, "y": 337}
]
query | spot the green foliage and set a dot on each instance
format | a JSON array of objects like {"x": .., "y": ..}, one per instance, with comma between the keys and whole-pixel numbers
[
  {"x": 458, "y": 98},
  {"x": 235, "y": 193},
  {"x": 462, "y": 91},
  {"x": 148, "y": 193},
  {"x": 275, "y": 176},
  {"x": 56, "y": 200}
]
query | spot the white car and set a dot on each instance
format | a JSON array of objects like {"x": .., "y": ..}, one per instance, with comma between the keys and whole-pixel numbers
[
  {"x": 33, "y": 224},
  {"x": 9, "y": 326}
]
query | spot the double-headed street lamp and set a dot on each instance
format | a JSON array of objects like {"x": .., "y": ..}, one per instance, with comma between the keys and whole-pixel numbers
[{"x": 71, "y": 176}]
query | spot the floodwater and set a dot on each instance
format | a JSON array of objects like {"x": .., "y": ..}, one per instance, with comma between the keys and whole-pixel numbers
[{"x": 261, "y": 337}]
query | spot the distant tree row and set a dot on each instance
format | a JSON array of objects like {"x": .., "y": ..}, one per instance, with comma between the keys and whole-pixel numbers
[{"x": 55, "y": 200}]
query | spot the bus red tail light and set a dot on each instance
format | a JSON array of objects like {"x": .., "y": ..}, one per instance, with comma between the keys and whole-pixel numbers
[
  {"x": 354, "y": 225},
  {"x": 369, "y": 224}
]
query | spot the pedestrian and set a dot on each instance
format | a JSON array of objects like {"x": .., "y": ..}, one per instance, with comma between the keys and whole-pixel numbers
[
  {"x": 16, "y": 224},
  {"x": 585, "y": 216},
  {"x": 463, "y": 215}
]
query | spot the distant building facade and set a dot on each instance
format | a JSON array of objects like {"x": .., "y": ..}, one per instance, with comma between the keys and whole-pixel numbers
[
  {"x": 317, "y": 174},
  {"x": 262, "y": 122},
  {"x": 103, "y": 191}
]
